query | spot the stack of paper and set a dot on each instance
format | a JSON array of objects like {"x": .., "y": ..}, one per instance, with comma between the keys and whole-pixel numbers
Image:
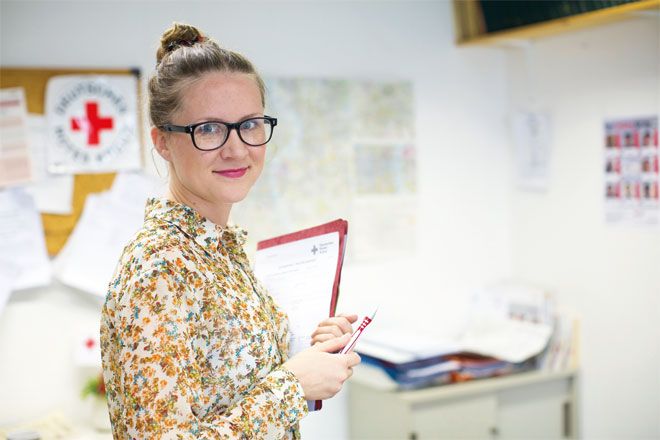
[{"x": 507, "y": 328}]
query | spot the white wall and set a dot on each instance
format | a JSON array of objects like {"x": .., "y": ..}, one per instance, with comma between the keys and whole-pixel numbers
[
  {"x": 461, "y": 99},
  {"x": 609, "y": 274},
  {"x": 473, "y": 226}
]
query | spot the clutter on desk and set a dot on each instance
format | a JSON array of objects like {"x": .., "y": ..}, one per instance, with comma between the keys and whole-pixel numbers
[{"x": 510, "y": 328}]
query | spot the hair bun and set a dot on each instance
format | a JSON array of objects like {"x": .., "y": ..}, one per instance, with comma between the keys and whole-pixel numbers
[{"x": 178, "y": 35}]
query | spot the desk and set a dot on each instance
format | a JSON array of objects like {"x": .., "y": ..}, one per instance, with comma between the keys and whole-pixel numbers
[{"x": 530, "y": 405}]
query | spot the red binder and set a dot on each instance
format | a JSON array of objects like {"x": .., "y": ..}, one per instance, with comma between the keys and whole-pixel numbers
[{"x": 341, "y": 227}]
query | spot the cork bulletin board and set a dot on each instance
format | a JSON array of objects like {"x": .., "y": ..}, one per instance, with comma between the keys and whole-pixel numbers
[{"x": 57, "y": 228}]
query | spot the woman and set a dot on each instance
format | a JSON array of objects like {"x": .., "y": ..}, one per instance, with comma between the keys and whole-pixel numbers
[{"x": 193, "y": 346}]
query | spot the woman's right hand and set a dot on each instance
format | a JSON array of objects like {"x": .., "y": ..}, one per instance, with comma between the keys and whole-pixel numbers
[{"x": 321, "y": 370}]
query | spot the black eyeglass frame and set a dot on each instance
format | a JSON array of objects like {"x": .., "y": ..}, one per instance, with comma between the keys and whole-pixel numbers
[{"x": 190, "y": 129}]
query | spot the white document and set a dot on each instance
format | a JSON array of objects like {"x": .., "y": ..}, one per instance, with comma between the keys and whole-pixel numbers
[
  {"x": 8, "y": 273},
  {"x": 510, "y": 340},
  {"x": 15, "y": 159},
  {"x": 88, "y": 348},
  {"x": 53, "y": 193},
  {"x": 22, "y": 239},
  {"x": 108, "y": 222},
  {"x": 300, "y": 275},
  {"x": 399, "y": 343},
  {"x": 502, "y": 338},
  {"x": 531, "y": 135},
  {"x": 508, "y": 321},
  {"x": 92, "y": 123}
]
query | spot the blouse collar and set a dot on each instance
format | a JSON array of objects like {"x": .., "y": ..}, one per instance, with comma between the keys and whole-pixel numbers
[{"x": 206, "y": 233}]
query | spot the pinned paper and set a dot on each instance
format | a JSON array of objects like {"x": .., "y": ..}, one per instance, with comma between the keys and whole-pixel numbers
[
  {"x": 531, "y": 135},
  {"x": 22, "y": 239},
  {"x": 52, "y": 193},
  {"x": 92, "y": 123},
  {"x": 88, "y": 350},
  {"x": 15, "y": 158},
  {"x": 108, "y": 221},
  {"x": 8, "y": 274}
]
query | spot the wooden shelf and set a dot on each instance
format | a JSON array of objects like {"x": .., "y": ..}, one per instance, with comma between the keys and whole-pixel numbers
[{"x": 546, "y": 28}]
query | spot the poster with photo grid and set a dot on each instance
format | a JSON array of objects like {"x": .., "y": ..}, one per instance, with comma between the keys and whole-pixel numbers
[{"x": 632, "y": 176}]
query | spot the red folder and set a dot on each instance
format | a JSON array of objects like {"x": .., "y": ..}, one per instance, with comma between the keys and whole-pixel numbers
[{"x": 341, "y": 227}]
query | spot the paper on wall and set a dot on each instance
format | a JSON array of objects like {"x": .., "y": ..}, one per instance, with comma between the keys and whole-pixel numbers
[
  {"x": 88, "y": 348},
  {"x": 92, "y": 123},
  {"x": 531, "y": 135},
  {"x": 8, "y": 274},
  {"x": 15, "y": 158},
  {"x": 53, "y": 193},
  {"x": 108, "y": 221},
  {"x": 22, "y": 239},
  {"x": 632, "y": 171}
]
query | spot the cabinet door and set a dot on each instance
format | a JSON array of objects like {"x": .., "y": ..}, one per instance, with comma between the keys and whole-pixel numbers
[
  {"x": 376, "y": 414},
  {"x": 457, "y": 418},
  {"x": 535, "y": 411}
]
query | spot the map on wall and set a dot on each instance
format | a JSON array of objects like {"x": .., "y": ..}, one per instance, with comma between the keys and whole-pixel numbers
[{"x": 341, "y": 149}]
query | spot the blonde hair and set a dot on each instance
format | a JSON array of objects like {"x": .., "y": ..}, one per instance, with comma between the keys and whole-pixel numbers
[{"x": 184, "y": 55}]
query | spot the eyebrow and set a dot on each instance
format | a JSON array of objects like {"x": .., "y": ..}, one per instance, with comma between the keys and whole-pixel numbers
[{"x": 211, "y": 119}]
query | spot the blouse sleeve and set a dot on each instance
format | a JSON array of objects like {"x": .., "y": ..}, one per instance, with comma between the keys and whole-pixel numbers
[{"x": 159, "y": 382}]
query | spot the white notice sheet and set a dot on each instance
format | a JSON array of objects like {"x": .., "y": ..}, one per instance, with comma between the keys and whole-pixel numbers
[
  {"x": 22, "y": 239},
  {"x": 53, "y": 193},
  {"x": 15, "y": 159}
]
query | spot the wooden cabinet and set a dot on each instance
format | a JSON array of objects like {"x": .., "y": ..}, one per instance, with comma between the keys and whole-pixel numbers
[
  {"x": 470, "y": 27},
  {"x": 532, "y": 405}
]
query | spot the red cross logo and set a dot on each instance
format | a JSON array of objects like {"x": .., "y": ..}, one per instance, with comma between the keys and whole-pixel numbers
[{"x": 91, "y": 123}]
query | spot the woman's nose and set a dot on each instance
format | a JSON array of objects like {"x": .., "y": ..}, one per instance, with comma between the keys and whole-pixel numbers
[{"x": 234, "y": 147}]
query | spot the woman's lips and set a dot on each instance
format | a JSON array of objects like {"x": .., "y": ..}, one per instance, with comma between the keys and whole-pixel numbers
[{"x": 233, "y": 173}]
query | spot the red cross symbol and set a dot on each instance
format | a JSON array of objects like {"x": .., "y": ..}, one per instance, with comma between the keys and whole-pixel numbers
[{"x": 91, "y": 123}]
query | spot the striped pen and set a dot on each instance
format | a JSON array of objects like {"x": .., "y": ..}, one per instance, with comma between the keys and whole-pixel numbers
[{"x": 356, "y": 334}]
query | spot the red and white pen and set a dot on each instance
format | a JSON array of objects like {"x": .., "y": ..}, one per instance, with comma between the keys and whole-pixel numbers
[{"x": 356, "y": 334}]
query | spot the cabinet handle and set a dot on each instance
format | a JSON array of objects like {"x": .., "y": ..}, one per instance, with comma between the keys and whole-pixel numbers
[
  {"x": 412, "y": 436},
  {"x": 494, "y": 432},
  {"x": 567, "y": 419}
]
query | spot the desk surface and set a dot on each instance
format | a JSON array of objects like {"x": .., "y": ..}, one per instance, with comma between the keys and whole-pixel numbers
[{"x": 375, "y": 378}]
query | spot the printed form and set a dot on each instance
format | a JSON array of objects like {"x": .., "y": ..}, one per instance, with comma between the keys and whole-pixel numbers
[{"x": 300, "y": 275}]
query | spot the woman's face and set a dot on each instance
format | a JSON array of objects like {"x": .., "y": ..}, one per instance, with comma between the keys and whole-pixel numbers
[{"x": 225, "y": 175}]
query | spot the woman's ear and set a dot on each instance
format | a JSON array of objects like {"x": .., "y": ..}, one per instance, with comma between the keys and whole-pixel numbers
[{"x": 160, "y": 143}]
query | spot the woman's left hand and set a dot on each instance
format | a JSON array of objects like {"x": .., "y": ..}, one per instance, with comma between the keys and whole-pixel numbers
[{"x": 334, "y": 327}]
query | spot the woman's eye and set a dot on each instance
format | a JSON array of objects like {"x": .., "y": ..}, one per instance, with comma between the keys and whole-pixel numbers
[
  {"x": 208, "y": 129},
  {"x": 251, "y": 124}
]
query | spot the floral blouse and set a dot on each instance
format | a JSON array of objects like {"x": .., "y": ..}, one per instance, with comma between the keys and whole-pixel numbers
[{"x": 192, "y": 344}]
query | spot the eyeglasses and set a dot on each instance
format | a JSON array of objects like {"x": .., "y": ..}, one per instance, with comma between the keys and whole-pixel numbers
[{"x": 211, "y": 135}]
